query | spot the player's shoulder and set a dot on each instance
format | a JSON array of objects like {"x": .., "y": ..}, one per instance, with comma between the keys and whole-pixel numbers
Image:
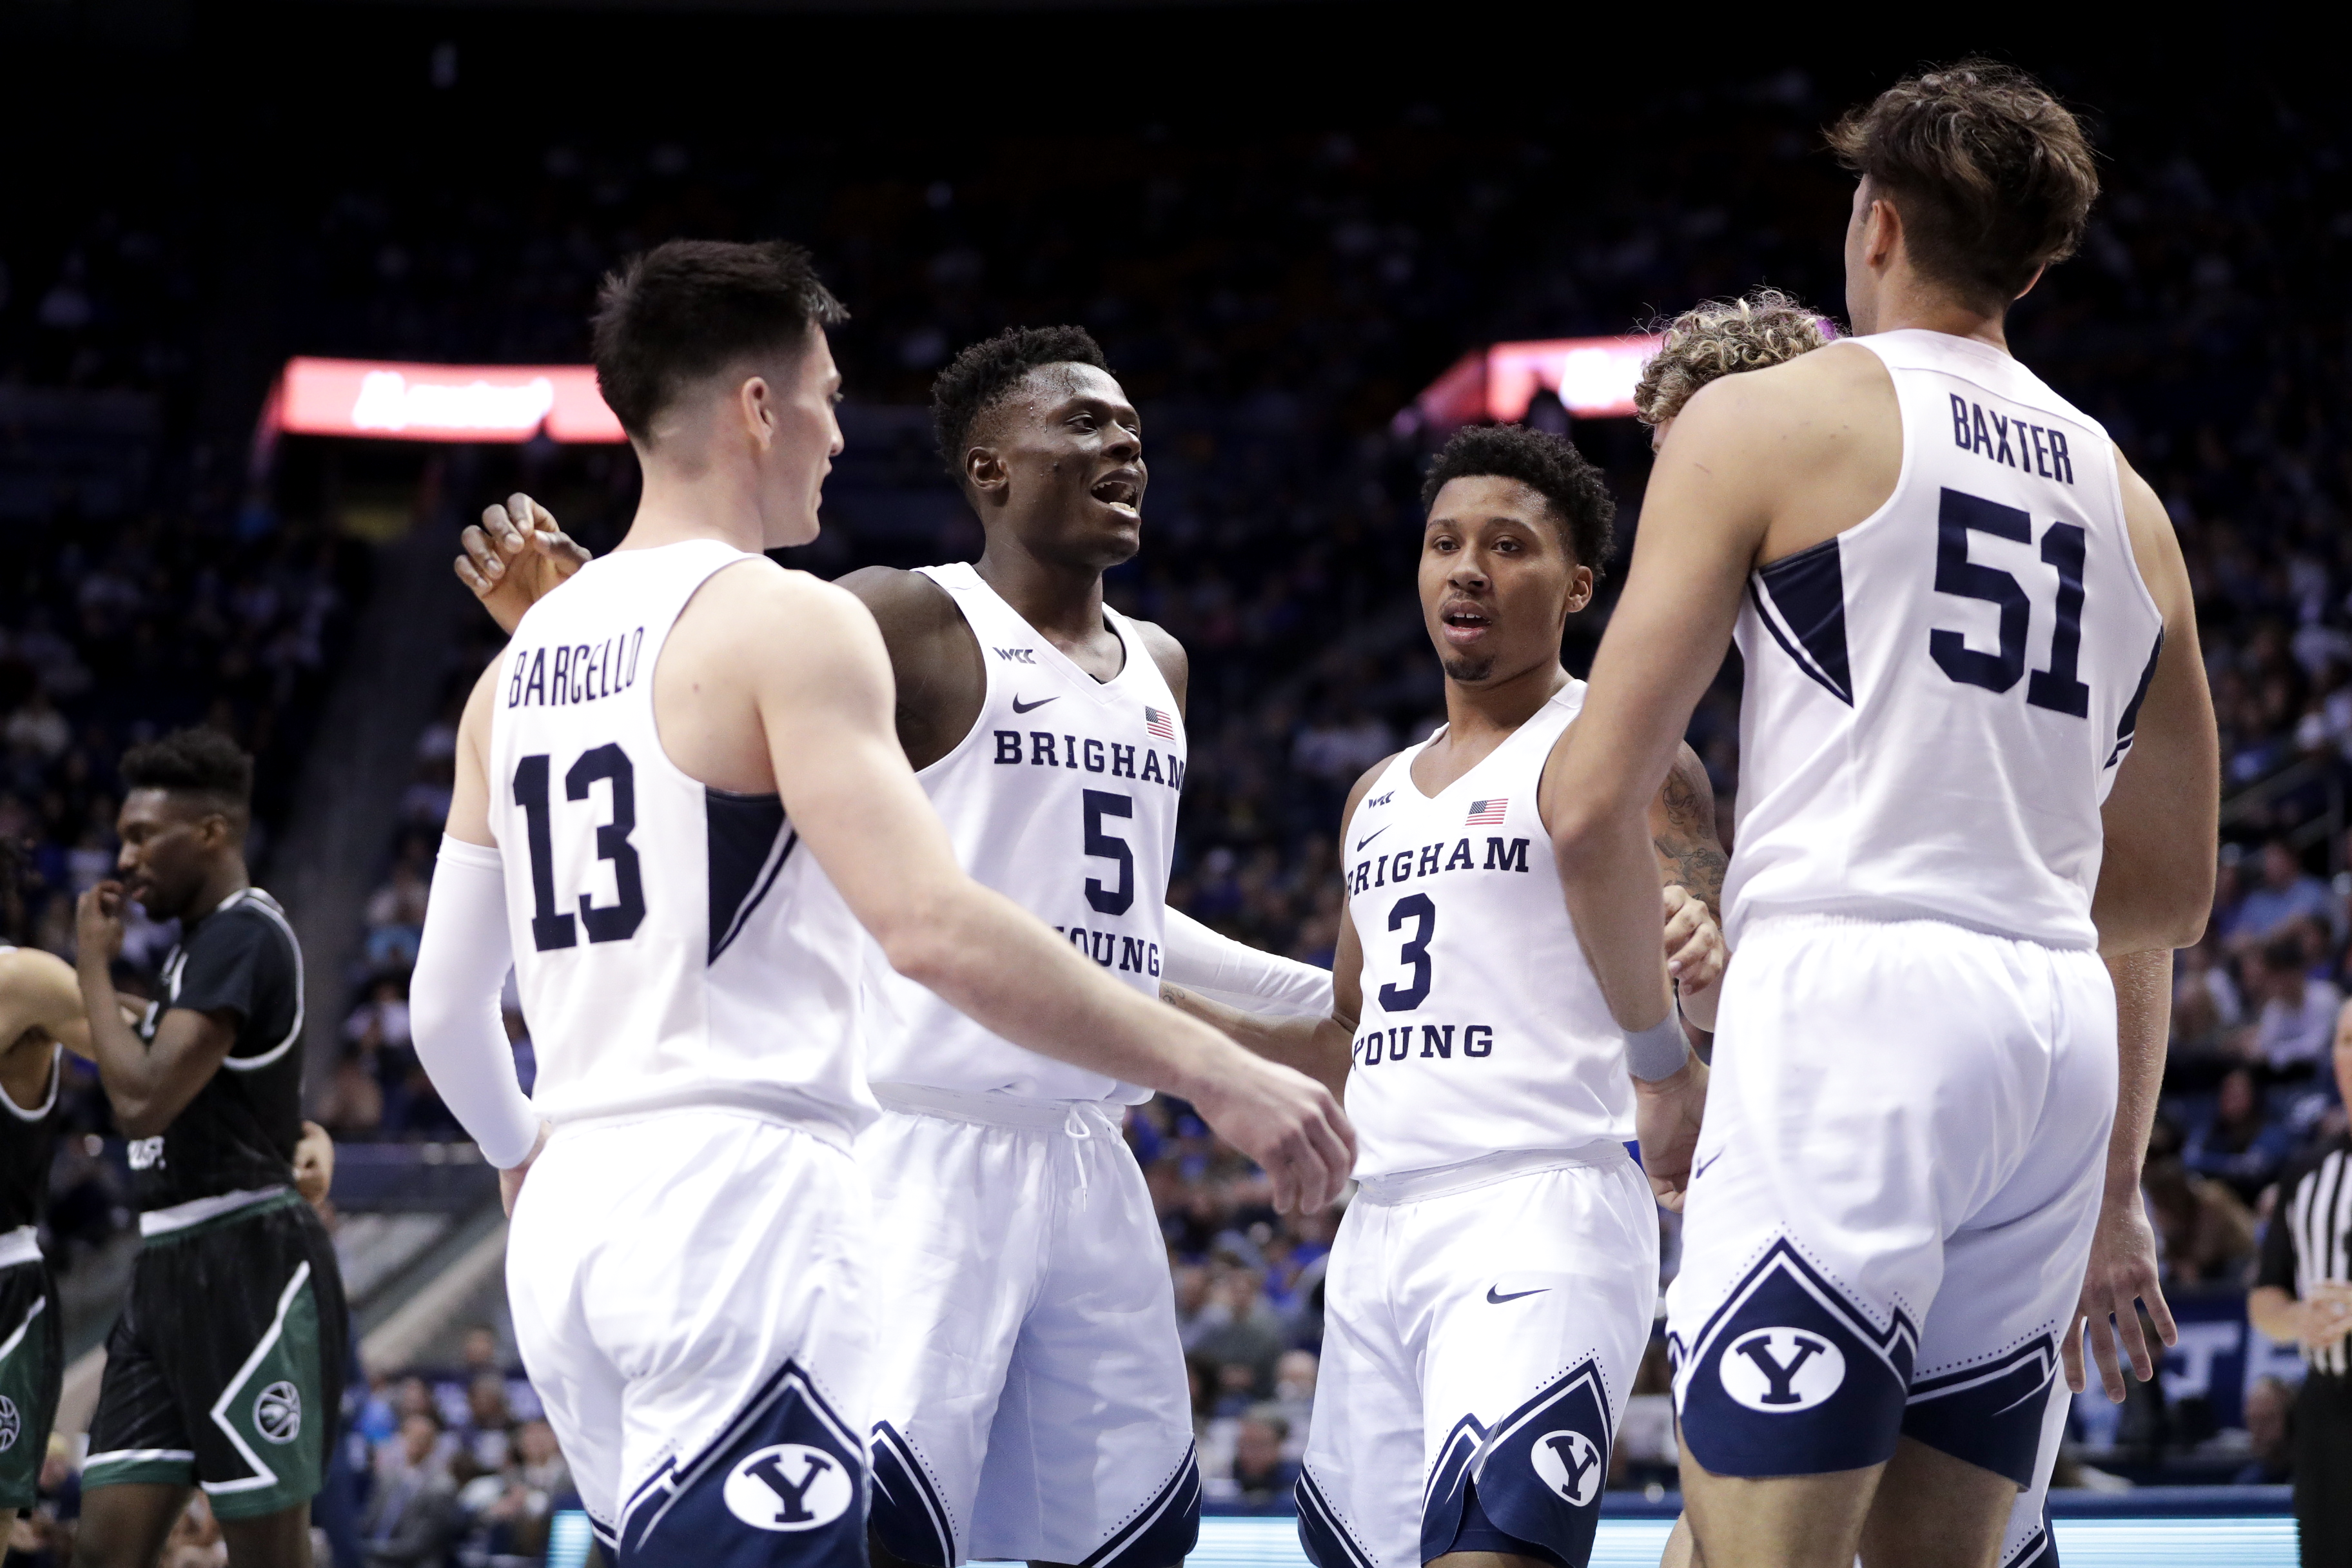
[
  {"x": 248, "y": 919},
  {"x": 1364, "y": 785},
  {"x": 1790, "y": 395},
  {"x": 21, "y": 966},
  {"x": 1165, "y": 651},
  {"x": 783, "y": 600}
]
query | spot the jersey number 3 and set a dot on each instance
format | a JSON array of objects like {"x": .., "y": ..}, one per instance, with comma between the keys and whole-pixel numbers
[
  {"x": 617, "y": 922},
  {"x": 2057, "y": 688}
]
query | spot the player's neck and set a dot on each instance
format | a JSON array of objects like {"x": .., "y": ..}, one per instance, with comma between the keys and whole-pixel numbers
[
  {"x": 230, "y": 876},
  {"x": 1482, "y": 716},
  {"x": 1907, "y": 304},
  {"x": 1063, "y": 600},
  {"x": 711, "y": 502}
]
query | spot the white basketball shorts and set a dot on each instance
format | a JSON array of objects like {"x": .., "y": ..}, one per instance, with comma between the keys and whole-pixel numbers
[
  {"x": 690, "y": 1300},
  {"x": 1482, "y": 1327},
  {"x": 1030, "y": 1401},
  {"x": 1892, "y": 1203}
]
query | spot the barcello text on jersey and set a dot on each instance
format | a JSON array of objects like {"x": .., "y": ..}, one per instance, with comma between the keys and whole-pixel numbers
[{"x": 575, "y": 673}]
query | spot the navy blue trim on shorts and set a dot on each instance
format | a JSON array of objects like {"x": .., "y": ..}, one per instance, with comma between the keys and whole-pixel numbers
[
  {"x": 783, "y": 1483},
  {"x": 1536, "y": 1476},
  {"x": 908, "y": 1512},
  {"x": 1790, "y": 1378},
  {"x": 1989, "y": 1415},
  {"x": 1165, "y": 1530},
  {"x": 2042, "y": 1551},
  {"x": 1322, "y": 1533}
]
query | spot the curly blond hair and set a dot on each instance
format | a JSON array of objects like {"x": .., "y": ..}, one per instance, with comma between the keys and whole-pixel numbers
[{"x": 1720, "y": 338}]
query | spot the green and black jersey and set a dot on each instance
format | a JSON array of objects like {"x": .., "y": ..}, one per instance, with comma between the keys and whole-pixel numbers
[
  {"x": 239, "y": 1133},
  {"x": 26, "y": 1146}
]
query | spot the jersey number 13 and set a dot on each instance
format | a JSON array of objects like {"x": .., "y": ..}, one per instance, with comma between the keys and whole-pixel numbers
[{"x": 617, "y": 922}]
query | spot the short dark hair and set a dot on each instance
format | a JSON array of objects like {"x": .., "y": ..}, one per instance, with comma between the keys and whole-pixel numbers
[
  {"x": 1575, "y": 494},
  {"x": 982, "y": 376},
  {"x": 687, "y": 308},
  {"x": 200, "y": 761},
  {"x": 1993, "y": 176}
]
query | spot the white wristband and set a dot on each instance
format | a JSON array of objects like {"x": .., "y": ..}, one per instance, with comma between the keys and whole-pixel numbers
[
  {"x": 453, "y": 1003},
  {"x": 1658, "y": 1051}
]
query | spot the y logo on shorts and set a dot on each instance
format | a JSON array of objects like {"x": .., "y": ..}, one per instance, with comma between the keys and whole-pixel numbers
[
  {"x": 1780, "y": 1370},
  {"x": 1571, "y": 1464},
  {"x": 789, "y": 1486}
]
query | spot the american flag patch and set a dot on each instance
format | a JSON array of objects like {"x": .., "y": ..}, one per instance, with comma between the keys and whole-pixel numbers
[
  {"x": 1159, "y": 723},
  {"x": 1486, "y": 813}
]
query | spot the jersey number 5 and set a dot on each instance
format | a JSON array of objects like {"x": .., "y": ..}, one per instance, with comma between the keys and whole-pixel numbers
[
  {"x": 616, "y": 922},
  {"x": 2057, "y": 687}
]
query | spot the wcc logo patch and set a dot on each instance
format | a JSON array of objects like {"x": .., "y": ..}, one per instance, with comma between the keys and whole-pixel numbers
[
  {"x": 789, "y": 1486},
  {"x": 1571, "y": 1465},
  {"x": 1782, "y": 1368},
  {"x": 278, "y": 1412}
]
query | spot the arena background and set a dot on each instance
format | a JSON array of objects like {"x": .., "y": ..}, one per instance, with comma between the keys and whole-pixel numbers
[{"x": 1283, "y": 221}]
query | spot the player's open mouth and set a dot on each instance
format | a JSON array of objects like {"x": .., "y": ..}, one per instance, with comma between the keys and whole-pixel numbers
[
  {"x": 1464, "y": 623},
  {"x": 1121, "y": 492}
]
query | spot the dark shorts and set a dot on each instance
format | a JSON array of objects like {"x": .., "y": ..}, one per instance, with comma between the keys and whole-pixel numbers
[
  {"x": 225, "y": 1367},
  {"x": 31, "y": 1365}
]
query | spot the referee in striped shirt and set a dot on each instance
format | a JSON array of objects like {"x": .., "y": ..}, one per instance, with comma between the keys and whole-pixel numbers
[{"x": 2302, "y": 1296}]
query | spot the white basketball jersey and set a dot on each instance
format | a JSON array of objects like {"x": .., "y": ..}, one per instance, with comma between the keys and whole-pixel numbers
[
  {"x": 1062, "y": 798},
  {"x": 1483, "y": 1028},
  {"x": 1937, "y": 698},
  {"x": 675, "y": 944}
]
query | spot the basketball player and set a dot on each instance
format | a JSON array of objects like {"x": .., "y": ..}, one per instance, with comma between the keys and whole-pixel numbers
[
  {"x": 40, "y": 1020},
  {"x": 1491, "y": 1287},
  {"x": 1032, "y": 1400},
  {"x": 1978, "y": 756},
  {"x": 223, "y": 1369},
  {"x": 688, "y": 1268}
]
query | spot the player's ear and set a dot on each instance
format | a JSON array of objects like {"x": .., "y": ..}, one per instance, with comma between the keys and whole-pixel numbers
[
  {"x": 985, "y": 470},
  {"x": 755, "y": 405},
  {"x": 2029, "y": 282},
  {"x": 1579, "y": 588}
]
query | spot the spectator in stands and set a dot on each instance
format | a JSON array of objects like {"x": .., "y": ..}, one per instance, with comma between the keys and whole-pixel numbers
[
  {"x": 488, "y": 1432},
  {"x": 2297, "y": 1020},
  {"x": 2208, "y": 1235},
  {"x": 2238, "y": 1143},
  {"x": 2270, "y": 1410},
  {"x": 2206, "y": 1002},
  {"x": 1294, "y": 1395},
  {"x": 407, "y": 1523},
  {"x": 1262, "y": 1476},
  {"x": 2285, "y": 892},
  {"x": 351, "y": 1107},
  {"x": 534, "y": 1484}
]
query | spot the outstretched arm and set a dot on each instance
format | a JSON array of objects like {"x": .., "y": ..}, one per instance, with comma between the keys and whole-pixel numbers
[
  {"x": 824, "y": 700},
  {"x": 39, "y": 991}
]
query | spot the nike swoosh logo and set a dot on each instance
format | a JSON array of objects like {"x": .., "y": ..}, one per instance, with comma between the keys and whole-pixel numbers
[
  {"x": 1494, "y": 1300},
  {"x": 1700, "y": 1170},
  {"x": 1021, "y": 706},
  {"x": 1375, "y": 832}
]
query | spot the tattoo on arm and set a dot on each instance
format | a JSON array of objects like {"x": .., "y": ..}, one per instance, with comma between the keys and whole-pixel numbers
[{"x": 1689, "y": 852}]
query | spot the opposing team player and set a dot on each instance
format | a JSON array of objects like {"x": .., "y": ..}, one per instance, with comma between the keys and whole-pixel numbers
[
  {"x": 1978, "y": 754},
  {"x": 1031, "y": 1399},
  {"x": 40, "y": 1020},
  {"x": 689, "y": 1261},
  {"x": 1491, "y": 1287},
  {"x": 222, "y": 1370}
]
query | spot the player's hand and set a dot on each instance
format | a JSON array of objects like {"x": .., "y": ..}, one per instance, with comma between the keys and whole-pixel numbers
[
  {"x": 2122, "y": 1277},
  {"x": 314, "y": 1164},
  {"x": 1666, "y": 1116},
  {"x": 98, "y": 922},
  {"x": 1696, "y": 954},
  {"x": 1286, "y": 1122},
  {"x": 511, "y": 1180},
  {"x": 514, "y": 557}
]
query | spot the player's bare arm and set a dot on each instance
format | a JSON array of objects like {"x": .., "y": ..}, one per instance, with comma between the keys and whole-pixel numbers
[
  {"x": 1758, "y": 466},
  {"x": 812, "y": 722},
  {"x": 40, "y": 1005},
  {"x": 2155, "y": 890},
  {"x": 147, "y": 1084},
  {"x": 1319, "y": 1048}
]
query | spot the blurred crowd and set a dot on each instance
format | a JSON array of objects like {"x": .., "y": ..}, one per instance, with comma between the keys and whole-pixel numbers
[{"x": 1274, "y": 298}]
